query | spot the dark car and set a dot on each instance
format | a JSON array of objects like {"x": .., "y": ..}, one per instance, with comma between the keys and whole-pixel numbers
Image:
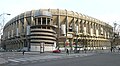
[{"x": 56, "y": 51}]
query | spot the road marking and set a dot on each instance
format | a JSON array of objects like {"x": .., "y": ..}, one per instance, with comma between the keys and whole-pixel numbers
[
  {"x": 13, "y": 60},
  {"x": 21, "y": 59}
]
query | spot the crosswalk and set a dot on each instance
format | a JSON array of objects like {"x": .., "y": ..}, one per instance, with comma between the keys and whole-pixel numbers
[{"x": 16, "y": 60}]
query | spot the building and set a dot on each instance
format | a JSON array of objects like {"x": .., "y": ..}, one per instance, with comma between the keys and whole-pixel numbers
[{"x": 48, "y": 29}]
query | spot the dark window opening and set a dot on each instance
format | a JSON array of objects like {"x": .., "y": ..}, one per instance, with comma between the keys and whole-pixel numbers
[
  {"x": 39, "y": 21},
  {"x": 44, "y": 21},
  {"x": 48, "y": 27},
  {"x": 48, "y": 20},
  {"x": 42, "y": 31},
  {"x": 35, "y": 21},
  {"x": 43, "y": 27},
  {"x": 70, "y": 29}
]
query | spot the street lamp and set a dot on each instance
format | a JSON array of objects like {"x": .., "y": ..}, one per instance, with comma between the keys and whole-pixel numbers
[
  {"x": 3, "y": 16},
  {"x": 2, "y": 24}
]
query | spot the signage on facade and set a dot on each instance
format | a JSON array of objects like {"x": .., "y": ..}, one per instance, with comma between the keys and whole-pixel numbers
[{"x": 42, "y": 13}]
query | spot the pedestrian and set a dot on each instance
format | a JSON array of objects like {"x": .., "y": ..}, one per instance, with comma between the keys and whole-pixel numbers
[
  {"x": 85, "y": 50},
  {"x": 119, "y": 49},
  {"x": 23, "y": 52},
  {"x": 102, "y": 48},
  {"x": 67, "y": 51},
  {"x": 111, "y": 49}
]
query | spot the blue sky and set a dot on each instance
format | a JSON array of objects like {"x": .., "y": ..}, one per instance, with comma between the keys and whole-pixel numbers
[{"x": 105, "y": 10}]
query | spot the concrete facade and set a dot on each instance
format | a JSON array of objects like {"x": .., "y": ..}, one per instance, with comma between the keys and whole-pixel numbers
[{"x": 47, "y": 29}]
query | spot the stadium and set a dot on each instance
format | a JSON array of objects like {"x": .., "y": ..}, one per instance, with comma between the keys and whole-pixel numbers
[{"x": 50, "y": 29}]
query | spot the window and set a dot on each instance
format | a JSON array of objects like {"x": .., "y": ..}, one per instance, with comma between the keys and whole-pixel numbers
[
  {"x": 44, "y": 21},
  {"x": 48, "y": 20},
  {"x": 48, "y": 27},
  {"x": 44, "y": 27},
  {"x": 39, "y": 21}
]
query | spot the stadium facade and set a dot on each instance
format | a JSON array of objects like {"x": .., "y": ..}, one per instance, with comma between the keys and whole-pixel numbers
[{"x": 47, "y": 29}]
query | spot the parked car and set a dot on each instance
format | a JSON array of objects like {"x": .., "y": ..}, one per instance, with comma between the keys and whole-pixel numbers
[
  {"x": 2, "y": 50},
  {"x": 56, "y": 51},
  {"x": 19, "y": 50}
]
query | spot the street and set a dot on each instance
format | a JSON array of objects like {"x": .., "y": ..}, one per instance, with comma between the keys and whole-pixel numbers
[
  {"x": 105, "y": 59},
  {"x": 17, "y": 58}
]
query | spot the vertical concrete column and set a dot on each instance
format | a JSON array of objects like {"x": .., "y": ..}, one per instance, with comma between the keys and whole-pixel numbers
[
  {"x": 36, "y": 21},
  {"x": 98, "y": 29},
  {"x": 19, "y": 27},
  {"x": 66, "y": 22},
  {"x": 57, "y": 31},
  {"x": 104, "y": 31},
  {"x": 13, "y": 28},
  {"x": 83, "y": 26},
  {"x": 51, "y": 21},
  {"x": 14, "y": 31},
  {"x": 25, "y": 29},
  {"x": 32, "y": 21},
  {"x": 10, "y": 30},
  {"x": 93, "y": 28},
  {"x": 79, "y": 25},
  {"x": 16, "y": 22},
  {"x": 25, "y": 24},
  {"x": 58, "y": 22},
  {"x": 41, "y": 20},
  {"x": 46, "y": 21},
  {"x": 78, "y": 22},
  {"x": 89, "y": 28},
  {"x": 32, "y": 18},
  {"x": 73, "y": 23},
  {"x": 91, "y": 31}
]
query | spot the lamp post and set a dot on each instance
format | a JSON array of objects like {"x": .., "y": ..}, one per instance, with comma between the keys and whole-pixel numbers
[
  {"x": 1, "y": 28},
  {"x": 3, "y": 20},
  {"x": 3, "y": 16}
]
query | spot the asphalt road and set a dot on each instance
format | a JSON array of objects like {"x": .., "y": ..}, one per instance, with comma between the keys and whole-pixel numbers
[{"x": 109, "y": 59}]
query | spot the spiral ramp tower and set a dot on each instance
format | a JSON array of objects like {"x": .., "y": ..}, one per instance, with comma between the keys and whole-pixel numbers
[{"x": 42, "y": 33}]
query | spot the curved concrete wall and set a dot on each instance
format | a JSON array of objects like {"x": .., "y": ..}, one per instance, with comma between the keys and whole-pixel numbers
[{"x": 45, "y": 26}]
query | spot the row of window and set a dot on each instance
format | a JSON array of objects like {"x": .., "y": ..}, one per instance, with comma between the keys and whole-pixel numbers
[{"x": 43, "y": 21}]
